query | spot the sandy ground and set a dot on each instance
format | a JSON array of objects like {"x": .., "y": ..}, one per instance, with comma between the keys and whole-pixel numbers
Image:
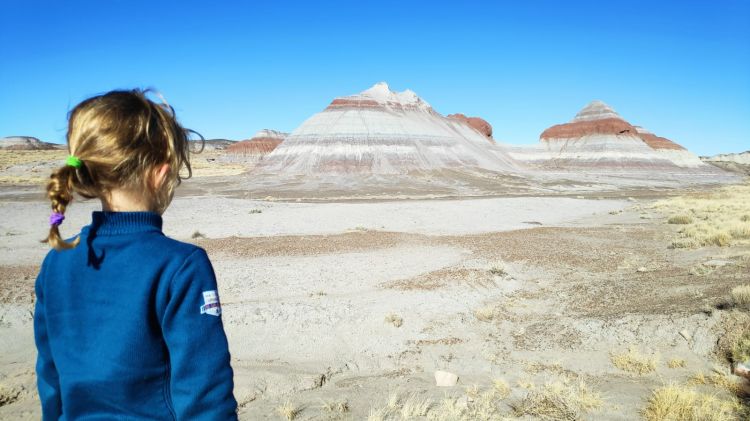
[{"x": 310, "y": 292}]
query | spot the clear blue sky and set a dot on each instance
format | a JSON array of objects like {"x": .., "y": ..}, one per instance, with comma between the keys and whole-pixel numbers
[{"x": 678, "y": 68}]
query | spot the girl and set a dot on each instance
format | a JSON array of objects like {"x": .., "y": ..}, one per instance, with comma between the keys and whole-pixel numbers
[{"x": 127, "y": 321}]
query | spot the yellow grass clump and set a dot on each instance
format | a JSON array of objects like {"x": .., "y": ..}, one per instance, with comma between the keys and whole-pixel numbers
[
  {"x": 676, "y": 363},
  {"x": 485, "y": 314},
  {"x": 558, "y": 401},
  {"x": 680, "y": 220},
  {"x": 680, "y": 403},
  {"x": 718, "y": 218},
  {"x": 741, "y": 296},
  {"x": 288, "y": 410},
  {"x": 634, "y": 362},
  {"x": 394, "y": 319},
  {"x": 741, "y": 348}
]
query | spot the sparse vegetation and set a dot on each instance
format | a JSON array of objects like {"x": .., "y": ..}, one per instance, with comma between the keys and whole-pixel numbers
[
  {"x": 288, "y": 410},
  {"x": 485, "y": 314},
  {"x": 741, "y": 297},
  {"x": 254, "y": 211},
  {"x": 197, "y": 234},
  {"x": 498, "y": 269},
  {"x": 394, "y": 319},
  {"x": 741, "y": 348},
  {"x": 559, "y": 401},
  {"x": 721, "y": 381},
  {"x": 634, "y": 362},
  {"x": 680, "y": 220},
  {"x": 717, "y": 218},
  {"x": 676, "y": 363},
  {"x": 680, "y": 403},
  {"x": 341, "y": 406},
  {"x": 8, "y": 395}
]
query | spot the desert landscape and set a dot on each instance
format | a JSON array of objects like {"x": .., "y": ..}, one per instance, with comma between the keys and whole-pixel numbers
[{"x": 386, "y": 262}]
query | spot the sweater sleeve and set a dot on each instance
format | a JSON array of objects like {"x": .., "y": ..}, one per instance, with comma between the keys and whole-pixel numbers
[
  {"x": 201, "y": 383},
  {"x": 48, "y": 381}
]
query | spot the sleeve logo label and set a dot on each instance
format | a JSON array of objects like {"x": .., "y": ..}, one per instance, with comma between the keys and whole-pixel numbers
[{"x": 211, "y": 306}]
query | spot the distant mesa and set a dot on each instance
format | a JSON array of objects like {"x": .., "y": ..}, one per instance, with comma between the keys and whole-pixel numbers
[
  {"x": 478, "y": 124},
  {"x": 217, "y": 144},
  {"x": 260, "y": 145},
  {"x": 734, "y": 162},
  {"x": 598, "y": 137},
  {"x": 26, "y": 143},
  {"x": 379, "y": 131}
]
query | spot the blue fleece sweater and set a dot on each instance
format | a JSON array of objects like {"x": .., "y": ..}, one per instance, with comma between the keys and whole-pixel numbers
[{"x": 127, "y": 326}]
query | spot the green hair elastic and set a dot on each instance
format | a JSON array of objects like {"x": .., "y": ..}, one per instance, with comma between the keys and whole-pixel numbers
[{"x": 73, "y": 161}]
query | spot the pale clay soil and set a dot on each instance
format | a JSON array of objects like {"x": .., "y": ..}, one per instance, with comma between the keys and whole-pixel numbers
[{"x": 306, "y": 288}]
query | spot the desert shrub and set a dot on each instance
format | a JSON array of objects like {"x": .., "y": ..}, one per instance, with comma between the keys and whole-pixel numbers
[
  {"x": 484, "y": 314},
  {"x": 498, "y": 269},
  {"x": 741, "y": 348},
  {"x": 335, "y": 406},
  {"x": 676, "y": 363},
  {"x": 252, "y": 211},
  {"x": 394, "y": 319},
  {"x": 680, "y": 403},
  {"x": 558, "y": 401},
  {"x": 680, "y": 219},
  {"x": 741, "y": 296},
  {"x": 197, "y": 234},
  {"x": 288, "y": 410},
  {"x": 634, "y": 362}
]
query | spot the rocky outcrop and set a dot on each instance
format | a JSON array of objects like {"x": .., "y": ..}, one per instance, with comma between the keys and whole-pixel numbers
[
  {"x": 478, "y": 124},
  {"x": 379, "y": 131},
  {"x": 255, "y": 149},
  {"x": 26, "y": 143}
]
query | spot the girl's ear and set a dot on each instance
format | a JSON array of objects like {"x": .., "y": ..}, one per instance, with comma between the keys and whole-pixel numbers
[{"x": 160, "y": 176}]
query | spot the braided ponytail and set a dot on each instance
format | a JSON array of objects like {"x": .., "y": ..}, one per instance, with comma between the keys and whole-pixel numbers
[{"x": 60, "y": 193}]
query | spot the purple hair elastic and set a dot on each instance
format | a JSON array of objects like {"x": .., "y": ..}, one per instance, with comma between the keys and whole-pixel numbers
[{"x": 56, "y": 218}]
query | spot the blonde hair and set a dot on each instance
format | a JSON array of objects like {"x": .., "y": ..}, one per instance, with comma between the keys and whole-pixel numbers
[{"x": 121, "y": 138}]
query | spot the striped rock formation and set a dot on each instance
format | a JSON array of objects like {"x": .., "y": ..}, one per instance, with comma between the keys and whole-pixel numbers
[
  {"x": 380, "y": 131},
  {"x": 598, "y": 137},
  {"x": 257, "y": 147}
]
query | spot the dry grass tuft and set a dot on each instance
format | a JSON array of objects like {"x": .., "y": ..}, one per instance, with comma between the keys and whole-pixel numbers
[
  {"x": 197, "y": 234},
  {"x": 741, "y": 296},
  {"x": 741, "y": 348},
  {"x": 559, "y": 401},
  {"x": 394, "y": 319},
  {"x": 501, "y": 388},
  {"x": 676, "y": 363},
  {"x": 680, "y": 403},
  {"x": 288, "y": 410},
  {"x": 680, "y": 220},
  {"x": 634, "y": 362},
  {"x": 721, "y": 381},
  {"x": 498, "y": 269},
  {"x": 485, "y": 314},
  {"x": 718, "y": 217},
  {"x": 335, "y": 406},
  {"x": 414, "y": 407},
  {"x": 8, "y": 395}
]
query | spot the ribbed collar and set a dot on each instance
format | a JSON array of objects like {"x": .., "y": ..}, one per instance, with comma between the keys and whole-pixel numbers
[{"x": 114, "y": 223}]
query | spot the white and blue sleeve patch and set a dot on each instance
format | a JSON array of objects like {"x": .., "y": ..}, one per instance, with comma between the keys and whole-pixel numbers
[{"x": 211, "y": 304}]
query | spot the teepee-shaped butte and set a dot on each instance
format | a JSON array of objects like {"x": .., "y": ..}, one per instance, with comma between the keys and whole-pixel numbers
[
  {"x": 379, "y": 131},
  {"x": 599, "y": 137}
]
